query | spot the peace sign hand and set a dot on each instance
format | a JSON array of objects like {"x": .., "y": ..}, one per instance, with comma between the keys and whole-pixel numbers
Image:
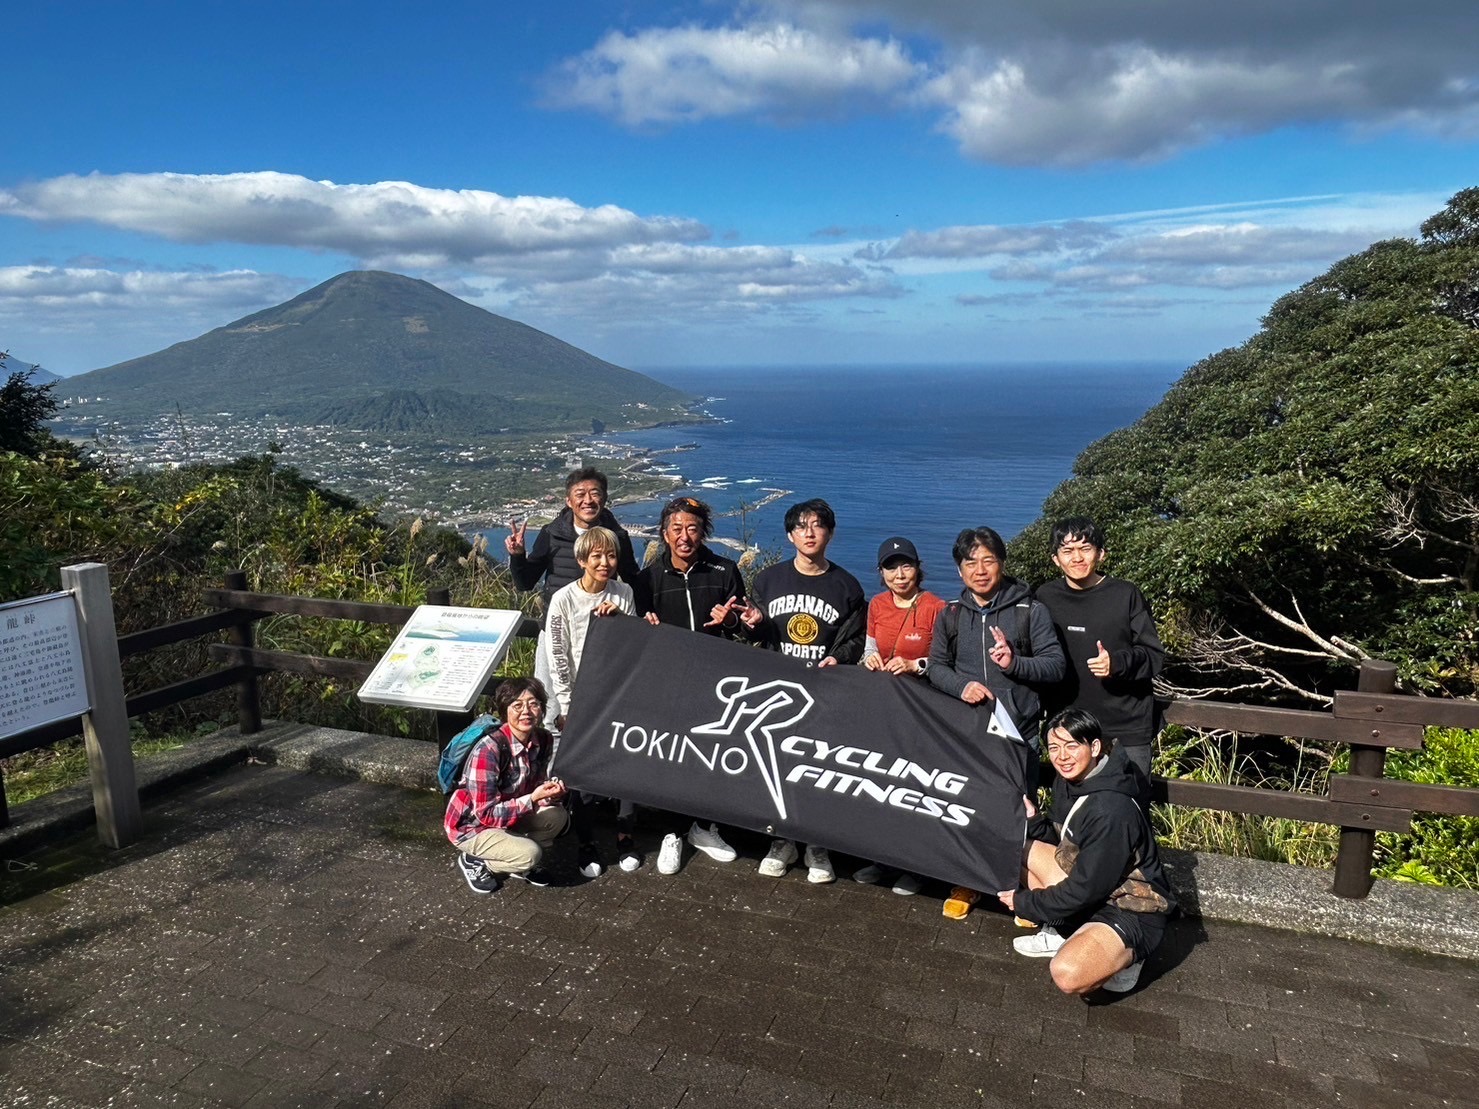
[
  {"x": 1002, "y": 654},
  {"x": 513, "y": 542}
]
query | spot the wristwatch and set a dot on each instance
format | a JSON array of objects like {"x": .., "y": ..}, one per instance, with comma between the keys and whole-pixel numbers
[{"x": 923, "y": 664}]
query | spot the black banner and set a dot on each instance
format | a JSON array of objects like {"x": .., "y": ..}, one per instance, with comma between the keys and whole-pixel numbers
[{"x": 878, "y": 766}]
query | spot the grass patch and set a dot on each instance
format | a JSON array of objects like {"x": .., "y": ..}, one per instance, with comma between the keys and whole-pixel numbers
[
  {"x": 1198, "y": 758},
  {"x": 36, "y": 773}
]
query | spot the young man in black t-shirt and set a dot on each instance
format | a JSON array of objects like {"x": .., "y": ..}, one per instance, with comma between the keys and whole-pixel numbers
[
  {"x": 1110, "y": 638},
  {"x": 813, "y": 610}
]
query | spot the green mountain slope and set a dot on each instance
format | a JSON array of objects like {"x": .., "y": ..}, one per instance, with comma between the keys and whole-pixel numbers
[{"x": 383, "y": 352}]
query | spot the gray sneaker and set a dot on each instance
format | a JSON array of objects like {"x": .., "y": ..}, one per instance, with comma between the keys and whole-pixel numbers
[
  {"x": 819, "y": 866},
  {"x": 781, "y": 855},
  {"x": 1040, "y": 945},
  {"x": 1124, "y": 981},
  {"x": 711, "y": 843}
]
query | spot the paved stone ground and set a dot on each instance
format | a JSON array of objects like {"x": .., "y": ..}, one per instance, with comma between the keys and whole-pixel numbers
[{"x": 283, "y": 939}]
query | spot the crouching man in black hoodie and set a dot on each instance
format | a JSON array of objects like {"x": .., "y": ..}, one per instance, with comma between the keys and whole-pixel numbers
[{"x": 1093, "y": 876}]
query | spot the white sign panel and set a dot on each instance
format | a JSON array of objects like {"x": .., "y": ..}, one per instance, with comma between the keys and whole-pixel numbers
[
  {"x": 442, "y": 658},
  {"x": 41, "y": 675}
]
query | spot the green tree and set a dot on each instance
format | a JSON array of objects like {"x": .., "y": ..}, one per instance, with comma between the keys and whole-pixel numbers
[
  {"x": 1311, "y": 498},
  {"x": 24, "y": 409}
]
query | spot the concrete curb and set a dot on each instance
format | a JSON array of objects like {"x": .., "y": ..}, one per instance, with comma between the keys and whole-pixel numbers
[{"x": 1276, "y": 895}]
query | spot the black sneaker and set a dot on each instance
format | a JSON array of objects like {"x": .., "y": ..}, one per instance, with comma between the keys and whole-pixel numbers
[
  {"x": 536, "y": 877},
  {"x": 589, "y": 861},
  {"x": 479, "y": 878}
]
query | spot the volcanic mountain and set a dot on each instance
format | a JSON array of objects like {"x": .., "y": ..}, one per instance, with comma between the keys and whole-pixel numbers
[{"x": 383, "y": 352}]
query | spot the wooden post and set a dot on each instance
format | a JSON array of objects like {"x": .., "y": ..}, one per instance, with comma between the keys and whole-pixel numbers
[
  {"x": 1357, "y": 845},
  {"x": 248, "y": 704},
  {"x": 448, "y": 724},
  {"x": 110, "y": 757},
  {"x": 4, "y": 806}
]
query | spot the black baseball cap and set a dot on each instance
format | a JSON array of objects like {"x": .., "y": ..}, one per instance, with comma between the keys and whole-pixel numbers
[{"x": 897, "y": 547}]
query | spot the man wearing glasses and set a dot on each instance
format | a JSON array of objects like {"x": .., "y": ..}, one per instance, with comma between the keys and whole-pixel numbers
[
  {"x": 1109, "y": 637},
  {"x": 809, "y": 609}
]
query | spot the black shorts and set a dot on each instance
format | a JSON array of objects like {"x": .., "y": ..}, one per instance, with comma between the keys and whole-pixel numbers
[{"x": 1140, "y": 932}]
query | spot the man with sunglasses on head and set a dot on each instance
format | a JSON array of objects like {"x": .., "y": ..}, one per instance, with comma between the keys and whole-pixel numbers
[{"x": 689, "y": 586}]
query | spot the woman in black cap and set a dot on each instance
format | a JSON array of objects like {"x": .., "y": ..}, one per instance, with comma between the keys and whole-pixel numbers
[
  {"x": 902, "y": 617},
  {"x": 901, "y": 620}
]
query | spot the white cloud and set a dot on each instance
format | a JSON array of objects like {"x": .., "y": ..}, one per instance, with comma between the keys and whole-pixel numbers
[
  {"x": 33, "y": 289},
  {"x": 1060, "y": 82},
  {"x": 390, "y": 224},
  {"x": 982, "y": 241},
  {"x": 685, "y": 74}
]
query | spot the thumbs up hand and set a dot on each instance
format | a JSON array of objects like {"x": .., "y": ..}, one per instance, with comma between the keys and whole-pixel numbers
[{"x": 1099, "y": 664}]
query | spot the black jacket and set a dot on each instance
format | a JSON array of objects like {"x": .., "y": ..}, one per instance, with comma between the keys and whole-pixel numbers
[
  {"x": 960, "y": 652},
  {"x": 553, "y": 557},
  {"x": 685, "y": 600},
  {"x": 1113, "y": 838}
]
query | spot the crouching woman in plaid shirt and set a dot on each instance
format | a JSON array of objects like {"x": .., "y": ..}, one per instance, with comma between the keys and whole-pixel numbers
[{"x": 505, "y": 812}]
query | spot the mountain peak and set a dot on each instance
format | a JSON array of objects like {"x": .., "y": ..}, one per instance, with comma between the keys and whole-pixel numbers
[{"x": 342, "y": 350}]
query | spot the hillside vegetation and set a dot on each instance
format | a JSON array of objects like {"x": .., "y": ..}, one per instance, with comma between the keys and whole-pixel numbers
[{"x": 1310, "y": 498}]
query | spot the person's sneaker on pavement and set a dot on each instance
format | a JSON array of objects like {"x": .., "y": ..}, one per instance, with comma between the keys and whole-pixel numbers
[
  {"x": 869, "y": 875},
  {"x": 628, "y": 857},
  {"x": 711, "y": 843},
  {"x": 819, "y": 866},
  {"x": 1043, "y": 944},
  {"x": 589, "y": 861},
  {"x": 907, "y": 884},
  {"x": 479, "y": 878},
  {"x": 781, "y": 855},
  {"x": 536, "y": 876},
  {"x": 1125, "y": 980},
  {"x": 670, "y": 854}
]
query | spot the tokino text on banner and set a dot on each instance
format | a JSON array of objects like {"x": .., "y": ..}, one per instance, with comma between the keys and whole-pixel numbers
[{"x": 878, "y": 766}]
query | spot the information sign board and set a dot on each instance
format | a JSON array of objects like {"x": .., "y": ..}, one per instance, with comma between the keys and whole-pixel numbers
[
  {"x": 442, "y": 658},
  {"x": 41, "y": 663}
]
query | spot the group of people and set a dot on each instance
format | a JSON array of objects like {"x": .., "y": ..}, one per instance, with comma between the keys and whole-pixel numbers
[{"x": 1081, "y": 650}]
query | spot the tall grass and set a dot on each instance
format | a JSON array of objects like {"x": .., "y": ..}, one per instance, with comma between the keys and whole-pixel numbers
[{"x": 1221, "y": 759}]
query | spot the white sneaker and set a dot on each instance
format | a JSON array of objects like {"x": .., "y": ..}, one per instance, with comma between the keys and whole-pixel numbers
[
  {"x": 781, "y": 855},
  {"x": 670, "y": 855},
  {"x": 907, "y": 885},
  {"x": 869, "y": 875},
  {"x": 819, "y": 866},
  {"x": 1124, "y": 981},
  {"x": 1042, "y": 944},
  {"x": 711, "y": 843}
]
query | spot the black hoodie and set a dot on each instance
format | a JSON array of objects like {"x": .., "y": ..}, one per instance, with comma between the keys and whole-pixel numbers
[
  {"x": 1113, "y": 837},
  {"x": 553, "y": 557}
]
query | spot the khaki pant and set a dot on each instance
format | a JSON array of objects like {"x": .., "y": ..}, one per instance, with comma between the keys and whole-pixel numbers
[{"x": 518, "y": 848}]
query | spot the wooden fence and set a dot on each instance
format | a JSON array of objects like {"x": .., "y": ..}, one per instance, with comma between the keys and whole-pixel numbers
[{"x": 1361, "y": 803}]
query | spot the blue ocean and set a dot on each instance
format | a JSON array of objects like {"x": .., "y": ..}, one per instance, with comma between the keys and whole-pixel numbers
[{"x": 896, "y": 450}]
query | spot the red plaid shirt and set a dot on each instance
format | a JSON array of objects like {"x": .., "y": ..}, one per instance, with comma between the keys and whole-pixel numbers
[{"x": 499, "y": 775}]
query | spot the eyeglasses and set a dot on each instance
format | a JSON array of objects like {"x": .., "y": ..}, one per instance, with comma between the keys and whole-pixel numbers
[
  {"x": 525, "y": 704},
  {"x": 810, "y": 525}
]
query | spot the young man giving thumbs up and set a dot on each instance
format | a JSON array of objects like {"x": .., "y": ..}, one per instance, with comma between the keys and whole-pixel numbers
[{"x": 1110, "y": 638}]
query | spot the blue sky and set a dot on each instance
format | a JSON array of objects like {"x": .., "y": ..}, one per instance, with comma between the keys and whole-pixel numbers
[{"x": 807, "y": 182}]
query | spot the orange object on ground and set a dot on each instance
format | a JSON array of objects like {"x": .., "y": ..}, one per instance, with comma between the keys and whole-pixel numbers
[{"x": 959, "y": 903}]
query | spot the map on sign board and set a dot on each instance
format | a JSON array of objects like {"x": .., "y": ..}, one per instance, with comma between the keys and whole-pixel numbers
[
  {"x": 41, "y": 659},
  {"x": 442, "y": 658}
]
